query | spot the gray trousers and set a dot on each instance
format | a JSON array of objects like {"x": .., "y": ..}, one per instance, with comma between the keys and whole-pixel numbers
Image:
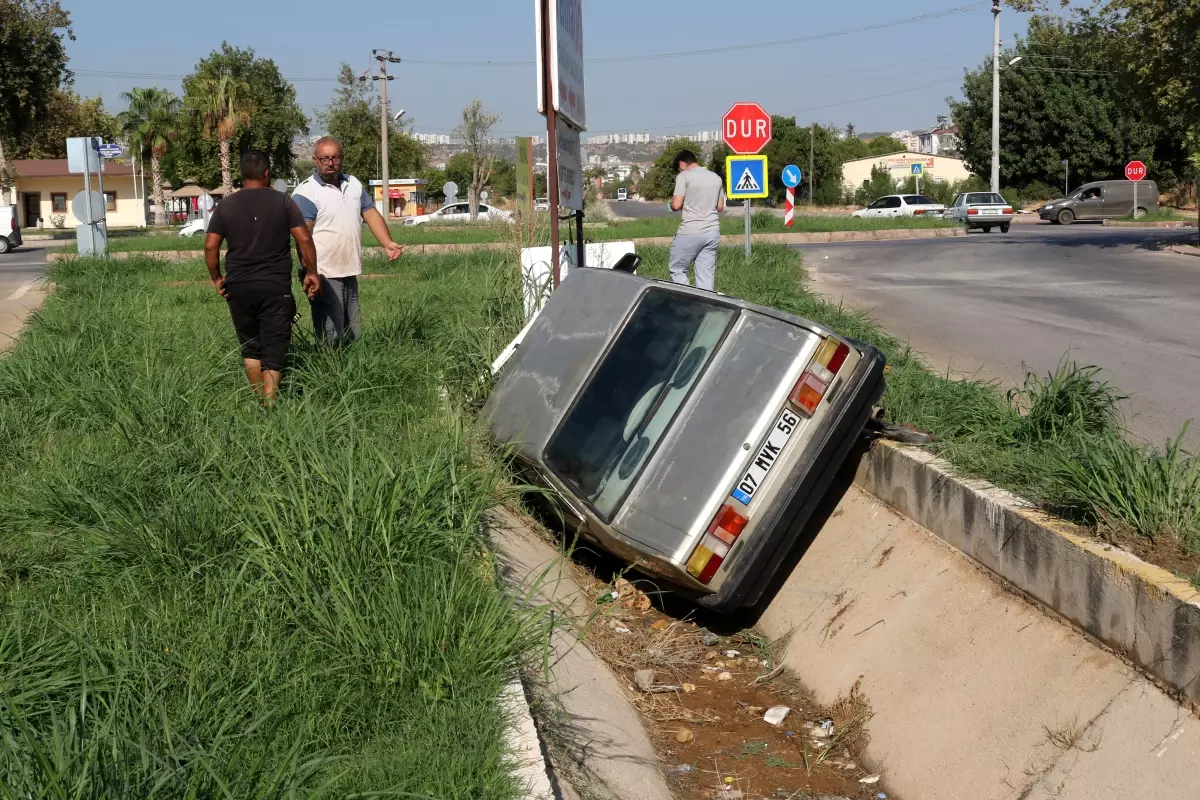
[
  {"x": 337, "y": 319},
  {"x": 698, "y": 248}
]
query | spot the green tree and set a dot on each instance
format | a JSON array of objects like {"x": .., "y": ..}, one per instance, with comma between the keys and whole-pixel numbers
[
  {"x": 435, "y": 179},
  {"x": 353, "y": 119},
  {"x": 790, "y": 145},
  {"x": 277, "y": 118},
  {"x": 474, "y": 130},
  {"x": 1087, "y": 112},
  {"x": 880, "y": 184},
  {"x": 150, "y": 124},
  {"x": 504, "y": 179},
  {"x": 659, "y": 181},
  {"x": 222, "y": 102},
  {"x": 33, "y": 66},
  {"x": 716, "y": 161},
  {"x": 458, "y": 169},
  {"x": 67, "y": 115}
]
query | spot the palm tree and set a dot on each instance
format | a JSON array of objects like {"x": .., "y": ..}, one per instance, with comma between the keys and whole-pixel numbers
[
  {"x": 224, "y": 106},
  {"x": 150, "y": 124}
]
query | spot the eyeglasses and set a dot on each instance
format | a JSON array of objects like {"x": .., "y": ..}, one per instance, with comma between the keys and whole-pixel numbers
[{"x": 329, "y": 159}]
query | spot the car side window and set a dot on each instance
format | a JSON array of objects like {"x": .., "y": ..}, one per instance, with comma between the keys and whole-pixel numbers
[
  {"x": 892, "y": 202},
  {"x": 1091, "y": 194},
  {"x": 878, "y": 203}
]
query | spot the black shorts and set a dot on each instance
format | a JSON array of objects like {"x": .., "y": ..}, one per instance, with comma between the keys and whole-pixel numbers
[{"x": 262, "y": 316}]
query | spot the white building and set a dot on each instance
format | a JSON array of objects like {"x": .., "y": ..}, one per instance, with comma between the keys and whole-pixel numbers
[
  {"x": 938, "y": 141},
  {"x": 936, "y": 168},
  {"x": 432, "y": 138}
]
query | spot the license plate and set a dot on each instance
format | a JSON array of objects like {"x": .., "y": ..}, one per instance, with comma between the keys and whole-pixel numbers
[{"x": 753, "y": 478}]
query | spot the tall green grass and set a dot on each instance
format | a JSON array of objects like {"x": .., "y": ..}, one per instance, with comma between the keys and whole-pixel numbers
[
  {"x": 202, "y": 599},
  {"x": 1057, "y": 440}
]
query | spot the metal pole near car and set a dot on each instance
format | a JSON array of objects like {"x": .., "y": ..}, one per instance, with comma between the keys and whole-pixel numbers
[{"x": 996, "y": 96}]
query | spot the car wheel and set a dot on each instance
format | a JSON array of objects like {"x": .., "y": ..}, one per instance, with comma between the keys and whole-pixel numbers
[
  {"x": 987, "y": 228},
  {"x": 4, "y": 245},
  {"x": 1141, "y": 212},
  {"x": 1004, "y": 227},
  {"x": 1066, "y": 216}
]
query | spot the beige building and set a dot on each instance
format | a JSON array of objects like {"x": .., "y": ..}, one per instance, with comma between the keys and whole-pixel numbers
[
  {"x": 939, "y": 168},
  {"x": 45, "y": 189}
]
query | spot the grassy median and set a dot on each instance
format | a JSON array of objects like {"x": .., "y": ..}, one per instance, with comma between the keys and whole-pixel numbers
[
  {"x": 498, "y": 232},
  {"x": 199, "y": 598}
]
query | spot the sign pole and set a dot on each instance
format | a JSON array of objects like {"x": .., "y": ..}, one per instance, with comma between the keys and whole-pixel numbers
[
  {"x": 87, "y": 188},
  {"x": 103, "y": 196},
  {"x": 1135, "y": 184},
  {"x": 551, "y": 142},
  {"x": 791, "y": 204},
  {"x": 746, "y": 207}
]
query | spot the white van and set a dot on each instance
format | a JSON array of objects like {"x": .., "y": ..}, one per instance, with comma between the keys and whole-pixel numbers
[
  {"x": 622, "y": 194},
  {"x": 10, "y": 229}
]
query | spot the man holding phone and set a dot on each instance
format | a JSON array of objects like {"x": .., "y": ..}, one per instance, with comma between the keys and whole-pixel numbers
[
  {"x": 700, "y": 195},
  {"x": 259, "y": 224}
]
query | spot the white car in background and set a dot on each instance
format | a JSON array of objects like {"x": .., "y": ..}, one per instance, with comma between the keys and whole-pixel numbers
[
  {"x": 10, "y": 228},
  {"x": 460, "y": 212},
  {"x": 982, "y": 210},
  {"x": 901, "y": 205},
  {"x": 194, "y": 227}
]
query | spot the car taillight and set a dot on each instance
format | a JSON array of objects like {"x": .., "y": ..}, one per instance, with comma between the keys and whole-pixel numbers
[
  {"x": 1008, "y": 211},
  {"x": 972, "y": 212},
  {"x": 820, "y": 373},
  {"x": 718, "y": 540},
  {"x": 918, "y": 212}
]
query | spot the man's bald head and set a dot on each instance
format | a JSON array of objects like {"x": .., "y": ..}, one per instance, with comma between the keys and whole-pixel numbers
[{"x": 327, "y": 152}]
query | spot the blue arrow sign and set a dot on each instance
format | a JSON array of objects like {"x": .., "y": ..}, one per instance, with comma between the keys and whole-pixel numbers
[
  {"x": 110, "y": 150},
  {"x": 746, "y": 177},
  {"x": 917, "y": 169},
  {"x": 792, "y": 176}
]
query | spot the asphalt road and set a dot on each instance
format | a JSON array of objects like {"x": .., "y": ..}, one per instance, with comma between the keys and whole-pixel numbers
[
  {"x": 986, "y": 303},
  {"x": 21, "y": 271}
]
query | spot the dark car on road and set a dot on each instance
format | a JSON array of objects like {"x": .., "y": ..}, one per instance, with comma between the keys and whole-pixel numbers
[{"x": 1103, "y": 200}]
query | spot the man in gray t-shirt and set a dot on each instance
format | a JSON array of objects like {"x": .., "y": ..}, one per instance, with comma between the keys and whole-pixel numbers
[{"x": 700, "y": 195}]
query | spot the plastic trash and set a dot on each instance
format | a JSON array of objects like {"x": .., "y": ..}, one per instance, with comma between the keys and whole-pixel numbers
[{"x": 776, "y": 714}]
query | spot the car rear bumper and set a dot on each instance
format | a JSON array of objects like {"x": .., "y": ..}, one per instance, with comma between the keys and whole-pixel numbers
[{"x": 755, "y": 569}]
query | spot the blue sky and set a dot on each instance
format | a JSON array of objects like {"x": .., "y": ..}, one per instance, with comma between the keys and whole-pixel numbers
[{"x": 891, "y": 77}]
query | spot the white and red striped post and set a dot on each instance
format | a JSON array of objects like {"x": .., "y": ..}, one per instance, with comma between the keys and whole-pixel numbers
[{"x": 789, "y": 212}]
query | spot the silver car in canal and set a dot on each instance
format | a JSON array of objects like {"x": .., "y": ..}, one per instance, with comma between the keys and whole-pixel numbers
[{"x": 689, "y": 433}]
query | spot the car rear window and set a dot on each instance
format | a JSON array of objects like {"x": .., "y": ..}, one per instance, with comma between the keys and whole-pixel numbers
[
  {"x": 917, "y": 200},
  {"x": 976, "y": 198},
  {"x": 631, "y": 399}
]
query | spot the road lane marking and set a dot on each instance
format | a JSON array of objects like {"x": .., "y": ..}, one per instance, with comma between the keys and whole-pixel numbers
[{"x": 21, "y": 291}]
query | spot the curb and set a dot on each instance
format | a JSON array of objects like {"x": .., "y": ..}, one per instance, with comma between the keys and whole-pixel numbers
[
  {"x": 1143, "y": 612},
  {"x": 1184, "y": 249},
  {"x": 1113, "y": 223},
  {"x": 528, "y": 758},
  {"x": 886, "y": 234}
]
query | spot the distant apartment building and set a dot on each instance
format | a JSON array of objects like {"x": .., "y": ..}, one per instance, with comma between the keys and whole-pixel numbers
[
  {"x": 432, "y": 138},
  {"x": 910, "y": 140},
  {"x": 938, "y": 141}
]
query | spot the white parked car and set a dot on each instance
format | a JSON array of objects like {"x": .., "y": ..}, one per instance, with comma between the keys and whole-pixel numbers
[
  {"x": 194, "y": 227},
  {"x": 541, "y": 204},
  {"x": 901, "y": 205},
  {"x": 10, "y": 228},
  {"x": 460, "y": 212}
]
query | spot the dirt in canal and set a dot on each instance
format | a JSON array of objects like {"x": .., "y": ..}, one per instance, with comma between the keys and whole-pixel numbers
[{"x": 704, "y": 697}]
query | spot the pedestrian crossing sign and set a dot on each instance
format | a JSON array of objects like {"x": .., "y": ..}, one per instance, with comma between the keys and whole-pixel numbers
[{"x": 746, "y": 177}]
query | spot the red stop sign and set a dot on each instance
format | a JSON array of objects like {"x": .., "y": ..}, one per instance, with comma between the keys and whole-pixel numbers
[
  {"x": 746, "y": 128},
  {"x": 1135, "y": 170}
]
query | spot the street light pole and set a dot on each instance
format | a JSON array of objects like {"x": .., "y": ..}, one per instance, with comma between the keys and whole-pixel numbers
[
  {"x": 996, "y": 96},
  {"x": 384, "y": 57},
  {"x": 1066, "y": 177}
]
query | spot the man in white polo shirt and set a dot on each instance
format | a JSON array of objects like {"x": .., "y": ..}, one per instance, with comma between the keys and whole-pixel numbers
[{"x": 335, "y": 206}]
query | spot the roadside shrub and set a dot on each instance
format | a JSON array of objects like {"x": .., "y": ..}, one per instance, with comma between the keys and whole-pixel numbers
[
  {"x": 1072, "y": 401},
  {"x": 1038, "y": 192}
]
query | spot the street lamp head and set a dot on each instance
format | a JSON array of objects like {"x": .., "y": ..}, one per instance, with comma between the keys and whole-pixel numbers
[
  {"x": 1015, "y": 60},
  {"x": 398, "y": 115}
]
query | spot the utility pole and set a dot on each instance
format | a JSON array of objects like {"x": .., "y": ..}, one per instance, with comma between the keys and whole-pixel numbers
[
  {"x": 812, "y": 133},
  {"x": 384, "y": 57},
  {"x": 995, "y": 95}
]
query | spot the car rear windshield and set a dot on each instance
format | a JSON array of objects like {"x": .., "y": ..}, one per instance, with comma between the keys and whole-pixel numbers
[
  {"x": 918, "y": 200},
  {"x": 984, "y": 198},
  {"x": 628, "y": 405}
]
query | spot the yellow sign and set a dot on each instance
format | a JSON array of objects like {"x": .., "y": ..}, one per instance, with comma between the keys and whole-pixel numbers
[{"x": 525, "y": 177}]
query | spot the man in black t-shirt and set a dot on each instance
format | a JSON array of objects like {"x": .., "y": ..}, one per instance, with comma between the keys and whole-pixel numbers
[{"x": 259, "y": 224}]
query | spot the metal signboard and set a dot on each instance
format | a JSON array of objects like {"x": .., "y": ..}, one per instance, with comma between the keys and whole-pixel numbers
[
  {"x": 525, "y": 177},
  {"x": 82, "y": 156},
  {"x": 917, "y": 169},
  {"x": 746, "y": 128},
  {"x": 110, "y": 150},
  {"x": 570, "y": 167},
  {"x": 746, "y": 177},
  {"x": 566, "y": 60}
]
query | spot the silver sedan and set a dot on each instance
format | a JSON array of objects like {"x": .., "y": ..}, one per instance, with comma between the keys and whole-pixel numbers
[{"x": 984, "y": 210}]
